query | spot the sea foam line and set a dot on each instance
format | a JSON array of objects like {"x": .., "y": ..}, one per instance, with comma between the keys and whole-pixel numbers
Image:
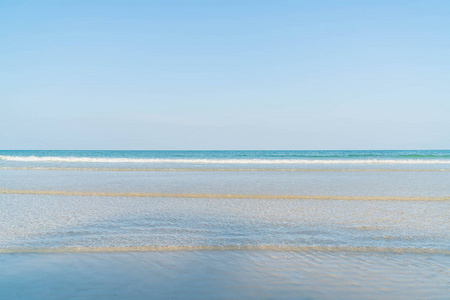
[
  {"x": 228, "y": 248},
  {"x": 215, "y": 169},
  {"x": 218, "y": 161},
  {"x": 221, "y": 196}
]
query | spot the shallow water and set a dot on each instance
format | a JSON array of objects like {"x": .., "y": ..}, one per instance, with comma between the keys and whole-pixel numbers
[
  {"x": 236, "y": 224},
  {"x": 224, "y": 275},
  {"x": 53, "y": 221}
]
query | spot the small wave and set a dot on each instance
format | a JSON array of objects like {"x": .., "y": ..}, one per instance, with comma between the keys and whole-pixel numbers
[
  {"x": 229, "y": 248},
  {"x": 425, "y": 155},
  {"x": 222, "y": 196},
  {"x": 215, "y": 169},
  {"x": 73, "y": 159}
]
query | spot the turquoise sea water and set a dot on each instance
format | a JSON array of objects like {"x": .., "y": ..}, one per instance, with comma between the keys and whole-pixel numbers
[
  {"x": 228, "y": 156},
  {"x": 224, "y": 224}
]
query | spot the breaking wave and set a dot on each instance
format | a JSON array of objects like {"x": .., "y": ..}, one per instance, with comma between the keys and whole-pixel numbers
[
  {"x": 73, "y": 159},
  {"x": 215, "y": 169}
]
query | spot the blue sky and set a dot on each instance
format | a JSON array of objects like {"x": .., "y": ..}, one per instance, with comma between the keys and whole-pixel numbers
[{"x": 225, "y": 74}]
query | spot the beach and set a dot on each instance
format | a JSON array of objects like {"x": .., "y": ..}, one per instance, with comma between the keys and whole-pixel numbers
[{"x": 224, "y": 224}]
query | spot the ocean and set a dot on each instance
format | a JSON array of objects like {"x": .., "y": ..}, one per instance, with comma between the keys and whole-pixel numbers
[{"x": 224, "y": 224}]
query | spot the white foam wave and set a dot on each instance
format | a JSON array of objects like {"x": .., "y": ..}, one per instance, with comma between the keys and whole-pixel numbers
[
  {"x": 73, "y": 159},
  {"x": 113, "y": 169}
]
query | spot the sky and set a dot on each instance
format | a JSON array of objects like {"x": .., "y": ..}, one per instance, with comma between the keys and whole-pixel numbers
[{"x": 206, "y": 75}]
